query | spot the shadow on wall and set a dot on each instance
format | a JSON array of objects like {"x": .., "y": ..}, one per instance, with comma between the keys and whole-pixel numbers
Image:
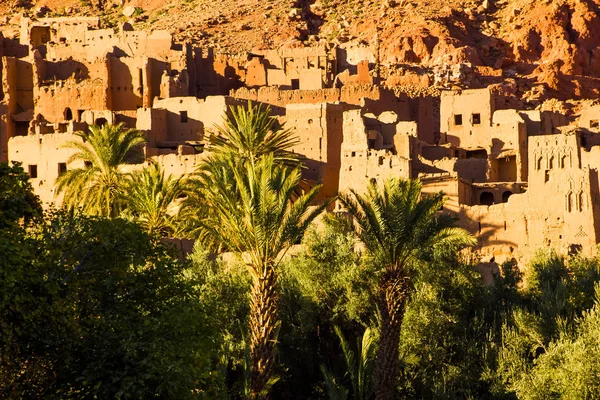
[
  {"x": 318, "y": 172},
  {"x": 486, "y": 233},
  {"x": 595, "y": 195},
  {"x": 209, "y": 80},
  {"x": 420, "y": 167},
  {"x": 181, "y": 127},
  {"x": 129, "y": 121},
  {"x": 63, "y": 70},
  {"x": 124, "y": 95}
]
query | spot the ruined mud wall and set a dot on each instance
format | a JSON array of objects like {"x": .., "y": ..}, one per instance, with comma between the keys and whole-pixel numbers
[
  {"x": 361, "y": 163},
  {"x": 319, "y": 130},
  {"x": 45, "y": 157}
]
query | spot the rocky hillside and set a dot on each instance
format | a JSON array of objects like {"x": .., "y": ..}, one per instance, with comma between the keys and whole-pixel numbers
[{"x": 532, "y": 48}]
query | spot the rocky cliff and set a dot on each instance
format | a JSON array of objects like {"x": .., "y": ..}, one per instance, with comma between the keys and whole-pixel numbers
[{"x": 534, "y": 49}]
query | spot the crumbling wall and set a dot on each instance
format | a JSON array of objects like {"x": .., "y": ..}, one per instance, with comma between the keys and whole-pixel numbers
[
  {"x": 355, "y": 95},
  {"x": 178, "y": 164},
  {"x": 590, "y": 118},
  {"x": 47, "y": 157},
  {"x": 128, "y": 78},
  {"x": 68, "y": 99},
  {"x": 525, "y": 222},
  {"x": 465, "y": 117},
  {"x": 361, "y": 164},
  {"x": 319, "y": 130},
  {"x": 306, "y": 68},
  {"x": 188, "y": 118},
  {"x": 362, "y": 76},
  {"x": 216, "y": 74}
]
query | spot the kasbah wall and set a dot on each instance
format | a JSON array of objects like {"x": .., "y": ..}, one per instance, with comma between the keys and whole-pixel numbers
[{"x": 519, "y": 180}]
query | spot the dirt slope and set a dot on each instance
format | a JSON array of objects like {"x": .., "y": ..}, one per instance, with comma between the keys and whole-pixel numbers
[{"x": 534, "y": 48}]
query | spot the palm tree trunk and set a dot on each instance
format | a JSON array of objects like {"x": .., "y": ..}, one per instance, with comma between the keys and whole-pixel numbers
[
  {"x": 264, "y": 324},
  {"x": 392, "y": 296}
]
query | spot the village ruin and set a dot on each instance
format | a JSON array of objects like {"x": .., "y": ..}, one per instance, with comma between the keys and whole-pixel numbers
[{"x": 520, "y": 180}]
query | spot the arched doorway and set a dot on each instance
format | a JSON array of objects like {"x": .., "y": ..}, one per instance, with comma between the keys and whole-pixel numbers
[
  {"x": 100, "y": 121},
  {"x": 68, "y": 114},
  {"x": 486, "y": 198},
  {"x": 506, "y": 195}
]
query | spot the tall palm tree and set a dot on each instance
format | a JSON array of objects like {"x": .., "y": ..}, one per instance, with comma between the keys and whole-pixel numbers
[
  {"x": 250, "y": 132},
  {"x": 395, "y": 222},
  {"x": 97, "y": 187},
  {"x": 257, "y": 214},
  {"x": 152, "y": 199}
]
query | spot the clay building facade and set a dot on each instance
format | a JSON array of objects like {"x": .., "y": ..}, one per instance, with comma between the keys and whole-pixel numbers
[{"x": 496, "y": 166}]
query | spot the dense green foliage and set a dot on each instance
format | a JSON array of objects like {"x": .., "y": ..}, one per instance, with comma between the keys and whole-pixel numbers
[
  {"x": 397, "y": 225},
  {"x": 17, "y": 201},
  {"x": 94, "y": 305}
]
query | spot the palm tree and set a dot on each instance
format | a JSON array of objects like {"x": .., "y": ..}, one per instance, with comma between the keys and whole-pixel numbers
[
  {"x": 394, "y": 223},
  {"x": 97, "y": 187},
  {"x": 359, "y": 365},
  {"x": 152, "y": 199},
  {"x": 247, "y": 134},
  {"x": 251, "y": 132},
  {"x": 256, "y": 214}
]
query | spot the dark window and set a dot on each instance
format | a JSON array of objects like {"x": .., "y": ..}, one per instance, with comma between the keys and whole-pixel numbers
[
  {"x": 486, "y": 198},
  {"x": 68, "y": 114},
  {"x": 22, "y": 128},
  {"x": 476, "y": 154},
  {"x": 506, "y": 195},
  {"x": 353, "y": 154},
  {"x": 184, "y": 116},
  {"x": 101, "y": 121},
  {"x": 457, "y": 119},
  {"x": 88, "y": 164},
  {"x": 594, "y": 124},
  {"x": 476, "y": 119},
  {"x": 295, "y": 84},
  {"x": 33, "y": 171},
  {"x": 62, "y": 168}
]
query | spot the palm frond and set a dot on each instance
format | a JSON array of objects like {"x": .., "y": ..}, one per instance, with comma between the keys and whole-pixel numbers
[
  {"x": 334, "y": 390},
  {"x": 395, "y": 220},
  {"x": 98, "y": 187},
  {"x": 152, "y": 199},
  {"x": 250, "y": 132}
]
